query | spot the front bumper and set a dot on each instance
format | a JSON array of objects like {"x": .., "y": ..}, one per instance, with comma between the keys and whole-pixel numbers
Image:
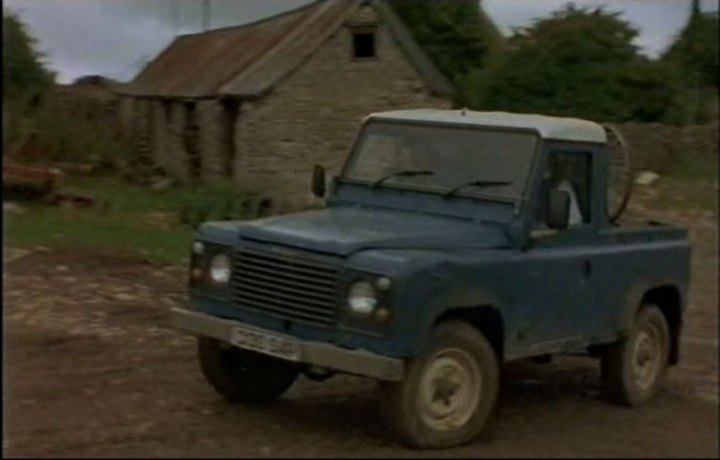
[{"x": 358, "y": 362}]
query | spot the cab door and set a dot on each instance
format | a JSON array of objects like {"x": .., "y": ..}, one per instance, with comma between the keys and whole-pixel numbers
[{"x": 557, "y": 270}]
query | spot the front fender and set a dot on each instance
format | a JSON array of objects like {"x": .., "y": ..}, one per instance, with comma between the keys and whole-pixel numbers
[{"x": 437, "y": 290}]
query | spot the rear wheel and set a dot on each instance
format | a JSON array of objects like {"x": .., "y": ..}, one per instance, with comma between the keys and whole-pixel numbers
[
  {"x": 448, "y": 394},
  {"x": 634, "y": 368},
  {"x": 244, "y": 376}
]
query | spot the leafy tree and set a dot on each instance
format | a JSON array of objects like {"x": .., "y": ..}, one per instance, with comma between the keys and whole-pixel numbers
[
  {"x": 24, "y": 72},
  {"x": 456, "y": 34},
  {"x": 695, "y": 50},
  {"x": 25, "y": 78},
  {"x": 693, "y": 59},
  {"x": 577, "y": 62}
]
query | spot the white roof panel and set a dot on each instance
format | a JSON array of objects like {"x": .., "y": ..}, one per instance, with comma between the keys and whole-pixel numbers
[{"x": 564, "y": 129}]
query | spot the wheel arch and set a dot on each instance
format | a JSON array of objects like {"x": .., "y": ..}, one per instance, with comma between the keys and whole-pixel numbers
[
  {"x": 485, "y": 318},
  {"x": 669, "y": 298}
]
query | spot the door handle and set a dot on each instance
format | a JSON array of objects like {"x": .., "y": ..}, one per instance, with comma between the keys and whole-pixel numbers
[{"x": 587, "y": 269}]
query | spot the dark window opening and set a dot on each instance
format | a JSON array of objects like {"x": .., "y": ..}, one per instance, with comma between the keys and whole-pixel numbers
[
  {"x": 36, "y": 100},
  {"x": 191, "y": 140},
  {"x": 364, "y": 44},
  {"x": 167, "y": 110},
  {"x": 151, "y": 127},
  {"x": 231, "y": 111}
]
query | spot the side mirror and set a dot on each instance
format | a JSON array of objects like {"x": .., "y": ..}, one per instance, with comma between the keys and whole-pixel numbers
[
  {"x": 557, "y": 213},
  {"x": 318, "y": 181}
]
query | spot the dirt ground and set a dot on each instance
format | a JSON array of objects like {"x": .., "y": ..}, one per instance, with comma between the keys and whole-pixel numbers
[{"x": 92, "y": 370}]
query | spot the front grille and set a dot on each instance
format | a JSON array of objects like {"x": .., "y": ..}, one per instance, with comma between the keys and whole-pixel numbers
[{"x": 288, "y": 287}]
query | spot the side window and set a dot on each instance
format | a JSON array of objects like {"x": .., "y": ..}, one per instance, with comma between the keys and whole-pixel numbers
[{"x": 568, "y": 171}]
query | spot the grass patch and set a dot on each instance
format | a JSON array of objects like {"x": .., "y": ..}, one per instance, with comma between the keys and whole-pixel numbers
[
  {"x": 67, "y": 228},
  {"x": 128, "y": 197},
  {"x": 137, "y": 219}
]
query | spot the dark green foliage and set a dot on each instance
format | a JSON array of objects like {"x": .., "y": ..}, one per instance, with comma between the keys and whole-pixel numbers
[
  {"x": 456, "y": 34},
  {"x": 578, "y": 62},
  {"x": 216, "y": 203},
  {"x": 25, "y": 78},
  {"x": 67, "y": 137},
  {"x": 693, "y": 57},
  {"x": 695, "y": 51},
  {"x": 24, "y": 72}
]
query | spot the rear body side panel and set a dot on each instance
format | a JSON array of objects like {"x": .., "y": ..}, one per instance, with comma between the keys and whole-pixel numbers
[{"x": 554, "y": 299}]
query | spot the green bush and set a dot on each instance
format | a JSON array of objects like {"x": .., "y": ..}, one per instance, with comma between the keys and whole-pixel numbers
[
  {"x": 695, "y": 51},
  {"x": 25, "y": 78},
  {"x": 456, "y": 35},
  {"x": 69, "y": 138},
  {"x": 218, "y": 202},
  {"x": 24, "y": 70},
  {"x": 578, "y": 62},
  {"x": 693, "y": 58}
]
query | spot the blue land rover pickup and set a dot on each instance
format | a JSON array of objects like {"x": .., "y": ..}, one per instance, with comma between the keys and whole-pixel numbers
[{"x": 452, "y": 241}]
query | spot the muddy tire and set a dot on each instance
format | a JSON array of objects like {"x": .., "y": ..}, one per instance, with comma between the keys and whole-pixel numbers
[
  {"x": 244, "y": 376},
  {"x": 634, "y": 368},
  {"x": 448, "y": 393}
]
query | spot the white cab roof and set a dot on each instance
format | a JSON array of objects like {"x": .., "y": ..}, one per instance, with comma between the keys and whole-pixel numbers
[{"x": 557, "y": 128}]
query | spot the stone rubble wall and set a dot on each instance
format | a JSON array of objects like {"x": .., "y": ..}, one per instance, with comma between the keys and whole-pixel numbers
[
  {"x": 209, "y": 113},
  {"x": 160, "y": 134},
  {"x": 654, "y": 146},
  {"x": 87, "y": 102},
  {"x": 177, "y": 162}
]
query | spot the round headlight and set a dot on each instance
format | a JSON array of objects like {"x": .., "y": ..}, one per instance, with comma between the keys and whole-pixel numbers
[
  {"x": 220, "y": 268},
  {"x": 362, "y": 298},
  {"x": 198, "y": 247}
]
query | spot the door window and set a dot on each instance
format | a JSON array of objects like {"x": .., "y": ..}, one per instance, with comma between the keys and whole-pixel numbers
[{"x": 570, "y": 172}]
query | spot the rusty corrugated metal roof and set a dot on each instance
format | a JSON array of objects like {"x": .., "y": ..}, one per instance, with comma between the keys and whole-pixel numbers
[{"x": 246, "y": 61}]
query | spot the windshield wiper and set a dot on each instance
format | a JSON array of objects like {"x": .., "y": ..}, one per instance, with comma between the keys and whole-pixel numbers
[
  {"x": 475, "y": 183},
  {"x": 409, "y": 173}
]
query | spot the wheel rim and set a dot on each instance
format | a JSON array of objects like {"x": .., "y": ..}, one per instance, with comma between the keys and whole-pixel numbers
[
  {"x": 647, "y": 357},
  {"x": 450, "y": 390}
]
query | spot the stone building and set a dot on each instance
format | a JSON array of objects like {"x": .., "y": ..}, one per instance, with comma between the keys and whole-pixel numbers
[{"x": 261, "y": 103}]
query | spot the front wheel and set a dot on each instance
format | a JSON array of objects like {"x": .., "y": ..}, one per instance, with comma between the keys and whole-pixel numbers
[
  {"x": 633, "y": 368},
  {"x": 447, "y": 394},
  {"x": 244, "y": 376}
]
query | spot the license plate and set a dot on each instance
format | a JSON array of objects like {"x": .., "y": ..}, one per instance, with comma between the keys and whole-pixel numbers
[{"x": 263, "y": 342}]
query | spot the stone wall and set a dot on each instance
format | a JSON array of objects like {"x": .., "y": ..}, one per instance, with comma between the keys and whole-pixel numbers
[
  {"x": 209, "y": 114},
  {"x": 659, "y": 147},
  {"x": 176, "y": 162},
  {"x": 89, "y": 102},
  {"x": 159, "y": 132},
  {"x": 314, "y": 114},
  {"x": 126, "y": 114},
  {"x": 141, "y": 128}
]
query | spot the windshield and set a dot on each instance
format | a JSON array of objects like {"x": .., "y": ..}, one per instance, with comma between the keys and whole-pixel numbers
[{"x": 441, "y": 158}]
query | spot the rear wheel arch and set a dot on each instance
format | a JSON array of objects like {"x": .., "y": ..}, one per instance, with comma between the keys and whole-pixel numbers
[
  {"x": 669, "y": 300},
  {"x": 668, "y": 297}
]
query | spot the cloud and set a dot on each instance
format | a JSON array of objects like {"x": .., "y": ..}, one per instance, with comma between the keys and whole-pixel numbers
[{"x": 115, "y": 38}]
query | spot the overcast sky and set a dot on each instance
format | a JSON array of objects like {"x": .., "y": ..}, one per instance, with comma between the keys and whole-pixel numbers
[{"x": 115, "y": 38}]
